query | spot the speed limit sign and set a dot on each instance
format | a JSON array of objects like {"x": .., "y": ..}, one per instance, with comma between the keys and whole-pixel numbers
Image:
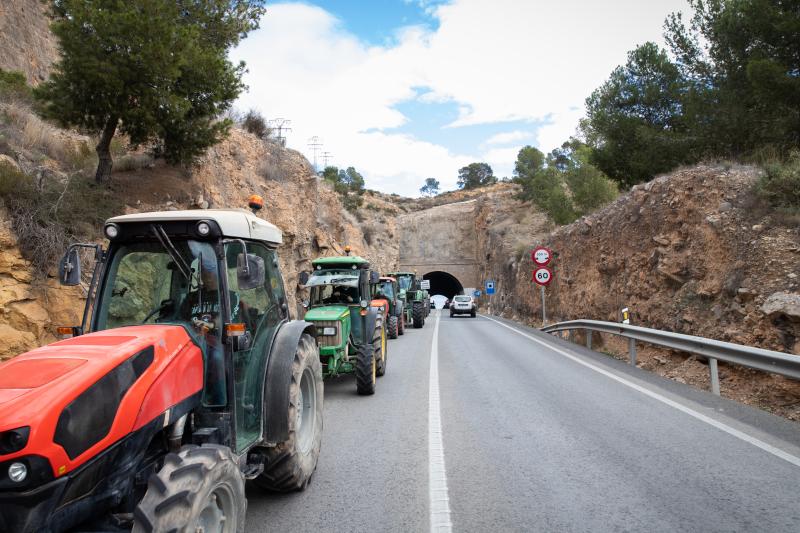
[
  {"x": 542, "y": 276},
  {"x": 541, "y": 256}
]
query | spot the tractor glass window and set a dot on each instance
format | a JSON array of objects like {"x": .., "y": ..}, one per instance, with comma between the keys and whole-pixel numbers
[
  {"x": 333, "y": 287},
  {"x": 260, "y": 309},
  {"x": 145, "y": 285},
  {"x": 404, "y": 282},
  {"x": 385, "y": 288}
]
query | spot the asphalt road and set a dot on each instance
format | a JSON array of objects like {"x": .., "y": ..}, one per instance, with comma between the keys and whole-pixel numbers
[{"x": 538, "y": 439}]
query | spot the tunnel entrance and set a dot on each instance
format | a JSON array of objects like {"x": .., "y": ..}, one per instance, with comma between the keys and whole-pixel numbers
[{"x": 444, "y": 284}]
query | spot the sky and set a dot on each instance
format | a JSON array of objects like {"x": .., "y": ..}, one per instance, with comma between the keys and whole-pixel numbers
[{"x": 405, "y": 90}]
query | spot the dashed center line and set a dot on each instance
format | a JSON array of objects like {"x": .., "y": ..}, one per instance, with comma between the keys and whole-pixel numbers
[{"x": 437, "y": 475}]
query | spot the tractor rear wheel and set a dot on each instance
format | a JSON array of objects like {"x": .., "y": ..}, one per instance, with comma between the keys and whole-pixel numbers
[
  {"x": 365, "y": 370},
  {"x": 381, "y": 351},
  {"x": 401, "y": 324},
  {"x": 419, "y": 315},
  {"x": 197, "y": 489},
  {"x": 290, "y": 464},
  {"x": 393, "y": 327}
]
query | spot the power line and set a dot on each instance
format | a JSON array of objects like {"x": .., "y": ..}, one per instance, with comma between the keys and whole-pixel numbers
[
  {"x": 315, "y": 143},
  {"x": 326, "y": 157},
  {"x": 282, "y": 125}
]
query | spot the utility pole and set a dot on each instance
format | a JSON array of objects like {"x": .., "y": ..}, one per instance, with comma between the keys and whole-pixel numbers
[
  {"x": 315, "y": 143},
  {"x": 282, "y": 125},
  {"x": 326, "y": 157}
]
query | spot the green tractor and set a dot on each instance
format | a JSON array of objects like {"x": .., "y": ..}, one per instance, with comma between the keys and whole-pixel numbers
[
  {"x": 416, "y": 301},
  {"x": 350, "y": 326},
  {"x": 387, "y": 290}
]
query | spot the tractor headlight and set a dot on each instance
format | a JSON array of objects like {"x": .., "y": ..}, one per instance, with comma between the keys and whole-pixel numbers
[
  {"x": 112, "y": 231},
  {"x": 14, "y": 440},
  {"x": 364, "y": 304},
  {"x": 329, "y": 331},
  {"x": 17, "y": 472}
]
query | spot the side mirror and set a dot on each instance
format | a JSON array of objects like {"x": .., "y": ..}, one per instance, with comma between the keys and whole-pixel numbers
[
  {"x": 250, "y": 271},
  {"x": 303, "y": 277},
  {"x": 305, "y": 304},
  {"x": 69, "y": 268}
]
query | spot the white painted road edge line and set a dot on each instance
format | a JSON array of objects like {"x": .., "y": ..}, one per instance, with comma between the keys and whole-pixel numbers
[
  {"x": 437, "y": 475},
  {"x": 777, "y": 452}
]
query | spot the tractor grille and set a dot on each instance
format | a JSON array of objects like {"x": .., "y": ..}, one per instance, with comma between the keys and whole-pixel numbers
[{"x": 328, "y": 340}]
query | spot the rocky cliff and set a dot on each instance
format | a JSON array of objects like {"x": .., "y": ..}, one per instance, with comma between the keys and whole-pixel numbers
[{"x": 26, "y": 43}]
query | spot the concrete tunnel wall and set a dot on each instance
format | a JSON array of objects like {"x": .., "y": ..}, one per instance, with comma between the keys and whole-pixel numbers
[{"x": 441, "y": 243}]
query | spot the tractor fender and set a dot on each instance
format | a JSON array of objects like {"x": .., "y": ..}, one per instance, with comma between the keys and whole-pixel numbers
[{"x": 279, "y": 377}]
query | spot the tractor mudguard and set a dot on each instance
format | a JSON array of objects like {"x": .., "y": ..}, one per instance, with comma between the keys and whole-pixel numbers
[{"x": 279, "y": 378}]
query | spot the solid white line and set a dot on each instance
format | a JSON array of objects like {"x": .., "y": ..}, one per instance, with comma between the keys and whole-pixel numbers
[
  {"x": 437, "y": 475},
  {"x": 777, "y": 452}
]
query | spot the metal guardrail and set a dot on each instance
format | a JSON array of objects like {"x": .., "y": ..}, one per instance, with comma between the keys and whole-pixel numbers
[{"x": 765, "y": 360}]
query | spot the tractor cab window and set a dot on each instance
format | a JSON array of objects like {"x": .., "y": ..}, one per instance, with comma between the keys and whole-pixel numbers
[
  {"x": 146, "y": 284},
  {"x": 334, "y": 287},
  {"x": 261, "y": 310},
  {"x": 404, "y": 282},
  {"x": 385, "y": 289}
]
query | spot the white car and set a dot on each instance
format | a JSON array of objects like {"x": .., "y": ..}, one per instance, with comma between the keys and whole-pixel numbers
[{"x": 463, "y": 305}]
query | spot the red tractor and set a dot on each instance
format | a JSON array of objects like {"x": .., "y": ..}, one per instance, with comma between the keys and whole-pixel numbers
[{"x": 186, "y": 378}]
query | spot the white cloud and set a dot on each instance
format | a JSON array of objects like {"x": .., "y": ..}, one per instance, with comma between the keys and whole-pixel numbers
[
  {"x": 498, "y": 61},
  {"x": 508, "y": 137}
]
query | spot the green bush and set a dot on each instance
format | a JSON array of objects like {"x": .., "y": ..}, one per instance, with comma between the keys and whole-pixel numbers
[
  {"x": 591, "y": 189},
  {"x": 13, "y": 86},
  {"x": 780, "y": 184}
]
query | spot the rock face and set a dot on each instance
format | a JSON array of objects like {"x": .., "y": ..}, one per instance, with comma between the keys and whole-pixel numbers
[
  {"x": 26, "y": 43},
  {"x": 686, "y": 252}
]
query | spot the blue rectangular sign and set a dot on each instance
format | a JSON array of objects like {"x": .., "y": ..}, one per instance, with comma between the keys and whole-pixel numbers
[
  {"x": 490, "y": 287},
  {"x": 476, "y": 294}
]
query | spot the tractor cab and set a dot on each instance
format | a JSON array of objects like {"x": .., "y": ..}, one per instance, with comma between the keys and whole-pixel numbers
[
  {"x": 186, "y": 341},
  {"x": 350, "y": 326},
  {"x": 387, "y": 290},
  {"x": 416, "y": 301}
]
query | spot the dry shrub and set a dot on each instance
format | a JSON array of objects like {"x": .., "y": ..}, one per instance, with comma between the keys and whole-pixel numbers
[
  {"x": 131, "y": 162},
  {"x": 273, "y": 169}
]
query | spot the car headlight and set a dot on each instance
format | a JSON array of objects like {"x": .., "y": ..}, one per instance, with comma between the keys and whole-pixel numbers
[{"x": 329, "y": 331}]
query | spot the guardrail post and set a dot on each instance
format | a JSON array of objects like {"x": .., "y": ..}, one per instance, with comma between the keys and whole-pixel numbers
[
  {"x": 589, "y": 339},
  {"x": 571, "y": 336},
  {"x": 632, "y": 350},
  {"x": 712, "y": 367}
]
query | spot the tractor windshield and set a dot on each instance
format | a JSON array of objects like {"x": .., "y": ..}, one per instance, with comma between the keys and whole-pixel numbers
[
  {"x": 386, "y": 289},
  {"x": 404, "y": 282},
  {"x": 145, "y": 286},
  {"x": 333, "y": 287}
]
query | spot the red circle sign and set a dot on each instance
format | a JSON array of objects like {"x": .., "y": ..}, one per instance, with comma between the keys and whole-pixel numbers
[
  {"x": 542, "y": 276},
  {"x": 541, "y": 256}
]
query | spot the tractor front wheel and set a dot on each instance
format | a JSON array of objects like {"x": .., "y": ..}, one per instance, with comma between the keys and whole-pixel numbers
[
  {"x": 365, "y": 370},
  {"x": 418, "y": 314},
  {"x": 393, "y": 327},
  {"x": 401, "y": 325},
  {"x": 197, "y": 489},
  {"x": 381, "y": 351},
  {"x": 290, "y": 464}
]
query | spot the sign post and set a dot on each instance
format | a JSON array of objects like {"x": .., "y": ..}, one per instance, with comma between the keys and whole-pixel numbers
[
  {"x": 542, "y": 275},
  {"x": 489, "y": 292}
]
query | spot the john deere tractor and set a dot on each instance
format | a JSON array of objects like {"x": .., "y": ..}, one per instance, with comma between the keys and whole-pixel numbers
[
  {"x": 350, "y": 327},
  {"x": 388, "y": 292},
  {"x": 416, "y": 302},
  {"x": 186, "y": 377}
]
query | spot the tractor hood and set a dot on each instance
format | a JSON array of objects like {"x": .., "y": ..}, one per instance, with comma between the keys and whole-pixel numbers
[
  {"x": 97, "y": 385},
  {"x": 331, "y": 312}
]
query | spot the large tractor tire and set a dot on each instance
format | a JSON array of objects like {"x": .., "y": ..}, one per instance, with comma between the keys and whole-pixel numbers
[
  {"x": 393, "y": 327},
  {"x": 401, "y": 324},
  {"x": 289, "y": 465},
  {"x": 381, "y": 348},
  {"x": 197, "y": 489},
  {"x": 418, "y": 314},
  {"x": 366, "y": 370}
]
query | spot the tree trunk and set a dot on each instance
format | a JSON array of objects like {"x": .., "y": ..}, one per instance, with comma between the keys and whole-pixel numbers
[{"x": 104, "y": 162}]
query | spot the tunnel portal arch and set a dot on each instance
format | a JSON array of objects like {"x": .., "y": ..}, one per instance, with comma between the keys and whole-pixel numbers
[{"x": 444, "y": 283}]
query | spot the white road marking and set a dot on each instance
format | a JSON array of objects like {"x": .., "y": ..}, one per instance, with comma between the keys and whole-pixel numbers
[
  {"x": 437, "y": 475},
  {"x": 777, "y": 452}
]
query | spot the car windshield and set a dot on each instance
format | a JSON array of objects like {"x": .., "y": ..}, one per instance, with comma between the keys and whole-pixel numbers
[
  {"x": 144, "y": 285},
  {"x": 462, "y": 298},
  {"x": 333, "y": 287}
]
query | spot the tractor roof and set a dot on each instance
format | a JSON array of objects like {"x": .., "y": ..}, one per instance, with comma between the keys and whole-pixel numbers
[
  {"x": 388, "y": 278},
  {"x": 346, "y": 261},
  {"x": 233, "y": 222},
  {"x": 396, "y": 274}
]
